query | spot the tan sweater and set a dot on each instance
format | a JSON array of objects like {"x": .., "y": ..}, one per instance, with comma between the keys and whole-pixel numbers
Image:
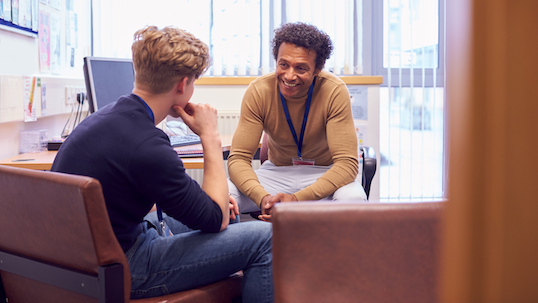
[{"x": 329, "y": 136}]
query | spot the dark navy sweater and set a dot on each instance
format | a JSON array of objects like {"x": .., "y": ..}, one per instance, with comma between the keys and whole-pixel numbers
[{"x": 120, "y": 146}]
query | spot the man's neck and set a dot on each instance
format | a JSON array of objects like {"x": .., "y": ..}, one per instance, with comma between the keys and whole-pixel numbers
[{"x": 157, "y": 103}]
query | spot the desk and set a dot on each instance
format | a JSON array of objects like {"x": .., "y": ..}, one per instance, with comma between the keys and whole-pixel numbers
[{"x": 43, "y": 160}]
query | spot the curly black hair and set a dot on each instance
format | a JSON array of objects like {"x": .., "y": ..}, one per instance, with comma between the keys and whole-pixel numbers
[{"x": 307, "y": 36}]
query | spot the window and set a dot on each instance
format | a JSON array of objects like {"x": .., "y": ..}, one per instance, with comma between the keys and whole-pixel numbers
[
  {"x": 408, "y": 51},
  {"x": 238, "y": 32}
]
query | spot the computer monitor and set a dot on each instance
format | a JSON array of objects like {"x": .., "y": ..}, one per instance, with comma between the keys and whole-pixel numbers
[{"x": 106, "y": 80}]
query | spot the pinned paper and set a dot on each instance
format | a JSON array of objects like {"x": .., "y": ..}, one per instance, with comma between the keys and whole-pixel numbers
[
  {"x": 358, "y": 94},
  {"x": 30, "y": 107}
]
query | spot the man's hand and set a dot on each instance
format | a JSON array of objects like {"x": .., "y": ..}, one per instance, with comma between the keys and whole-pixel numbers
[
  {"x": 201, "y": 118},
  {"x": 234, "y": 208},
  {"x": 269, "y": 201}
]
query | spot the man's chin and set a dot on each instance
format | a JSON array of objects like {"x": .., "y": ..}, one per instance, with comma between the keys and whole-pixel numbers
[
  {"x": 287, "y": 92},
  {"x": 173, "y": 114}
]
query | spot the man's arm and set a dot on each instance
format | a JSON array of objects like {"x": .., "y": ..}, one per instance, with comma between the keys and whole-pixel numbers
[
  {"x": 342, "y": 143},
  {"x": 245, "y": 142},
  {"x": 202, "y": 119}
]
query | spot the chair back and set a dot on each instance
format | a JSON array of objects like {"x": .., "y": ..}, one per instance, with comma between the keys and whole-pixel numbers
[
  {"x": 57, "y": 219},
  {"x": 357, "y": 252}
]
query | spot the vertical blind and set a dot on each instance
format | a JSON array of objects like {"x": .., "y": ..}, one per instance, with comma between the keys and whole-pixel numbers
[
  {"x": 238, "y": 32},
  {"x": 412, "y": 117}
]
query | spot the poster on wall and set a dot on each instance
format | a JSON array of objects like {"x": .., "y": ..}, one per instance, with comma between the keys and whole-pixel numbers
[
  {"x": 55, "y": 46},
  {"x": 25, "y": 13},
  {"x": 30, "y": 104},
  {"x": 15, "y": 12},
  {"x": 43, "y": 99},
  {"x": 361, "y": 131},
  {"x": 55, "y": 4},
  {"x": 7, "y": 10},
  {"x": 44, "y": 41},
  {"x": 35, "y": 15},
  {"x": 358, "y": 95}
]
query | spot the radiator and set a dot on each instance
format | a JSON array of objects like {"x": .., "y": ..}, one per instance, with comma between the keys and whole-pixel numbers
[{"x": 227, "y": 122}]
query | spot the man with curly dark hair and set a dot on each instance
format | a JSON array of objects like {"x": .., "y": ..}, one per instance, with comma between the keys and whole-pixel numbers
[{"x": 306, "y": 114}]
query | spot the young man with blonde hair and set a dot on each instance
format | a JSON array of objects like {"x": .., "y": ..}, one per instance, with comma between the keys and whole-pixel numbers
[{"x": 120, "y": 146}]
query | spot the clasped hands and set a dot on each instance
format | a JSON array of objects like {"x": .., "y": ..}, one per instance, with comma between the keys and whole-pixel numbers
[{"x": 269, "y": 201}]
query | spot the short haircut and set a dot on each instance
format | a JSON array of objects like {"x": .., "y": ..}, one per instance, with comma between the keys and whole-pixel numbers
[
  {"x": 307, "y": 36},
  {"x": 161, "y": 57}
]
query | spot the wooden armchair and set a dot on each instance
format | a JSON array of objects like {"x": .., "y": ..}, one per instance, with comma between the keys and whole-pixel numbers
[{"x": 57, "y": 244}]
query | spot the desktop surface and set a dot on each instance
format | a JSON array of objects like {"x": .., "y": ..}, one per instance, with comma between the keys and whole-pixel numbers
[{"x": 43, "y": 160}]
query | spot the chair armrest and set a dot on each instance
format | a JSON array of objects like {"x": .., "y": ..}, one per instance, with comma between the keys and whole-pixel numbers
[
  {"x": 369, "y": 167},
  {"x": 356, "y": 252}
]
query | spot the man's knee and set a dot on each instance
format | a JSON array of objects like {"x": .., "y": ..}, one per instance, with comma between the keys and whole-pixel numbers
[
  {"x": 245, "y": 204},
  {"x": 352, "y": 191}
]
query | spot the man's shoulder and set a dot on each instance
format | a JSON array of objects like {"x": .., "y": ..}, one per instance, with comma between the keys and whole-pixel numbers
[
  {"x": 263, "y": 87},
  {"x": 330, "y": 78},
  {"x": 267, "y": 79}
]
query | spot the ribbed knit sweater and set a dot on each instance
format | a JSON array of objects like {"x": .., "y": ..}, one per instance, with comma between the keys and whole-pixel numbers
[{"x": 329, "y": 138}]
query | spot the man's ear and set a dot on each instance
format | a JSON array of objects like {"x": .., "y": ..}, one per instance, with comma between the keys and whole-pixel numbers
[
  {"x": 182, "y": 84},
  {"x": 317, "y": 71}
]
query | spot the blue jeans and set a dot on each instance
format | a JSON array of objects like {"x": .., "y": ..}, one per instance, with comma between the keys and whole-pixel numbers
[{"x": 189, "y": 259}]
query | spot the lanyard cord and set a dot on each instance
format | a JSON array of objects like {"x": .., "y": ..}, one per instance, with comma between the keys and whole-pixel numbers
[
  {"x": 305, "y": 118},
  {"x": 152, "y": 116}
]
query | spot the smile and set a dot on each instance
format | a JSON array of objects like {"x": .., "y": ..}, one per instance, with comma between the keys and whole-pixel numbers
[{"x": 289, "y": 84}]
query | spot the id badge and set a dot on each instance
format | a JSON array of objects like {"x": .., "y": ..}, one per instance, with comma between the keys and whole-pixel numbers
[
  {"x": 302, "y": 161},
  {"x": 165, "y": 230}
]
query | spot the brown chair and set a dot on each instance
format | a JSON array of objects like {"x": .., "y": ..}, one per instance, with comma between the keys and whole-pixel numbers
[
  {"x": 356, "y": 252},
  {"x": 57, "y": 244}
]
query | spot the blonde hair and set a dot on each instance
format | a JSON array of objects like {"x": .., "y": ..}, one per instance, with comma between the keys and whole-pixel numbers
[{"x": 161, "y": 57}]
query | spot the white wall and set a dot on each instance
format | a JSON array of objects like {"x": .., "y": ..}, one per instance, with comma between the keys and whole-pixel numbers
[
  {"x": 221, "y": 97},
  {"x": 19, "y": 56}
]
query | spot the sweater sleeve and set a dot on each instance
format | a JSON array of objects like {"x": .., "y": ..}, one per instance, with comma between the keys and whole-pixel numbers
[
  {"x": 342, "y": 142},
  {"x": 245, "y": 142},
  {"x": 158, "y": 174}
]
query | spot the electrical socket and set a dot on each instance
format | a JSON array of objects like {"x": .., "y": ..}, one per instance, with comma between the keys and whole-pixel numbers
[{"x": 71, "y": 94}]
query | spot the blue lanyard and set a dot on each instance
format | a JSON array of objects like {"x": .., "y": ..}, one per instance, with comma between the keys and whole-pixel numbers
[
  {"x": 305, "y": 118},
  {"x": 152, "y": 116},
  {"x": 148, "y": 109}
]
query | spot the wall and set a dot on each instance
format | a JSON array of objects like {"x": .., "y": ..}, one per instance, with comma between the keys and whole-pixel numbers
[{"x": 19, "y": 56}]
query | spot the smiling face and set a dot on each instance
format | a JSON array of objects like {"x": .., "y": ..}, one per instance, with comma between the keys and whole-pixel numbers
[{"x": 295, "y": 70}]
